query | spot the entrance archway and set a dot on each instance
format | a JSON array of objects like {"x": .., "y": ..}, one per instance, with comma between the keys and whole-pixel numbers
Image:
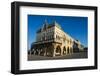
[
  {"x": 64, "y": 50},
  {"x": 68, "y": 50},
  {"x": 58, "y": 50},
  {"x": 49, "y": 50},
  {"x": 71, "y": 50}
]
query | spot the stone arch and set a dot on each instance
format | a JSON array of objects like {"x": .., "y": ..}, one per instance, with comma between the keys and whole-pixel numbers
[
  {"x": 42, "y": 51},
  {"x": 49, "y": 50},
  {"x": 71, "y": 50},
  {"x": 68, "y": 50},
  {"x": 58, "y": 50},
  {"x": 64, "y": 50},
  {"x": 36, "y": 52},
  {"x": 32, "y": 52}
]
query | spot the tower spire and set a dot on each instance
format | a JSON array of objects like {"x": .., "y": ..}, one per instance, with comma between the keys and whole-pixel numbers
[
  {"x": 45, "y": 25},
  {"x": 46, "y": 22},
  {"x": 56, "y": 24}
]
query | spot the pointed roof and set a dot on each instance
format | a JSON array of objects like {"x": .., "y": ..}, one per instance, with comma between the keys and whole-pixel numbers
[
  {"x": 56, "y": 24},
  {"x": 47, "y": 25}
]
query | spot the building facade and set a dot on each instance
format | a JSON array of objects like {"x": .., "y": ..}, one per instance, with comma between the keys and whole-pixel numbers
[{"x": 52, "y": 41}]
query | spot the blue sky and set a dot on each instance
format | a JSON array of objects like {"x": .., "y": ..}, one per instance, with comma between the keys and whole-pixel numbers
[{"x": 76, "y": 27}]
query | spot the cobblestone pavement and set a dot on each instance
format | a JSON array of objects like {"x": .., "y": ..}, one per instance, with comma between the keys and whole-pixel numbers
[{"x": 72, "y": 56}]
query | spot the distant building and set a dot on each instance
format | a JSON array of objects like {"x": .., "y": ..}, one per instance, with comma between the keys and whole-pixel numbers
[{"x": 51, "y": 40}]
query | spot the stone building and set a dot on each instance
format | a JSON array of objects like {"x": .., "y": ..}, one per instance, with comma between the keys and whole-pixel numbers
[{"x": 52, "y": 41}]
